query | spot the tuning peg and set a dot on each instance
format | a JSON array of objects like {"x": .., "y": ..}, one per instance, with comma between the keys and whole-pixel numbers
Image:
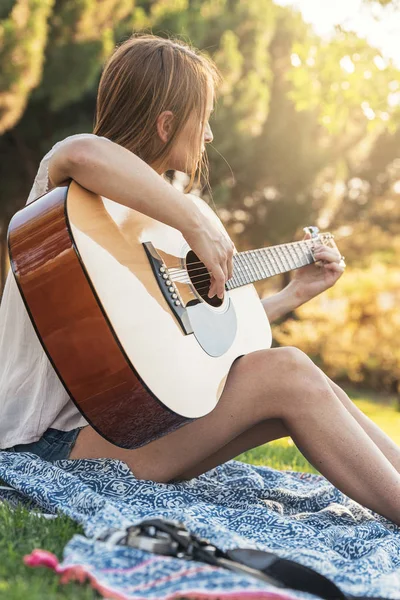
[{"x": 314, "y": 231}]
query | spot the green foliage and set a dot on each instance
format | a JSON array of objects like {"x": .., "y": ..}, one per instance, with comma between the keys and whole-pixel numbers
[
  {"x": 5, "y": 8},
  {"x": 352, "y": 329},
  {"x": 23, "y": 36},
  {"x": 82, "y": 38},
  {"x": 334, "y": 79}
]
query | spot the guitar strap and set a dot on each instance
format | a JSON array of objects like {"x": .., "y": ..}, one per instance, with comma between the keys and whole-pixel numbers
[{"x": 173, "y": 539}]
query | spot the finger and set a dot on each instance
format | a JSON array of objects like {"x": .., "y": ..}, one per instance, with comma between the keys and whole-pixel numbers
[
  {"x": 211, "y": 291},
  {"x": 328, "y": 254},
  {"x": 230, "y": 268},
  {"x": 230, "y": 265},
  {"x": 219, "y": 277},
  {"x": 335, "y": 267},
  {"x": 224, "y": 267}
]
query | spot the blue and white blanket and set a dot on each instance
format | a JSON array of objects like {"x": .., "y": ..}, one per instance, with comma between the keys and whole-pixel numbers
[{"x": 296, "y": 515}]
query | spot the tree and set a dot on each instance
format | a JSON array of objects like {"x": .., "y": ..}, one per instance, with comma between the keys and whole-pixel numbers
[{"x": 293, "y": 120}]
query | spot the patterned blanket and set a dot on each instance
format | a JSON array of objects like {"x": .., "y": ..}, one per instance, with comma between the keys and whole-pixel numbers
[{"x": 296, "y": 515}]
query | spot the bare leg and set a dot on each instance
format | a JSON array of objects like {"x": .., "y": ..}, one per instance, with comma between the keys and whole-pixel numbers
[
  {"x": 264, "y": 432},
  {"x": 280, "y": 383},
  {"x": 274, "y": 429},
  {"x": 383, "y": 441}
]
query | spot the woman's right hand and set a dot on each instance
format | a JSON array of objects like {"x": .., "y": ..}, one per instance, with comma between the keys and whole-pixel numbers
[
  {"x": 215, "y": 249},
  {"x": 107, "y": 169}
]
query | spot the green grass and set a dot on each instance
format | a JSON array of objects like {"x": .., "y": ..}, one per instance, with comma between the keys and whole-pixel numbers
[{"x": 21, "y": 532}]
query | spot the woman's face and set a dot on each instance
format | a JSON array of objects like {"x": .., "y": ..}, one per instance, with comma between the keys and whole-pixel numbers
[{"x": 185, "y": 154}]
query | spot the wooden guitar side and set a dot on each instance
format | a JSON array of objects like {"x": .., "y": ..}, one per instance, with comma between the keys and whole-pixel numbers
[{"x": 73, "y": 329}]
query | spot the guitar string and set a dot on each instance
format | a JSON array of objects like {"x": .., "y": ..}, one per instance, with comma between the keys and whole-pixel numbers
[
  {"x": 188, "y": 279},
  {"x": 246, "y": 252},
  {"x": 176, "y": 270},
  {"x": 179, "y": 273},
  {"x": 184, "y": 275},
  {"x": 182, "y": 272}
]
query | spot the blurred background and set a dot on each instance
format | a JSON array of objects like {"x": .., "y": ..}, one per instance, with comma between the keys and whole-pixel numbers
[{"x": 306, "y": 132}]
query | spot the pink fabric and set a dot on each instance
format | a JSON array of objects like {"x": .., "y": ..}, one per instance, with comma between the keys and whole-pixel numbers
[{"x": 80, "y": 573}]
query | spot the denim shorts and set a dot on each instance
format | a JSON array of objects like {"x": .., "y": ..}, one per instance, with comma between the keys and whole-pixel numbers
[{"x": 53, "y": 445}]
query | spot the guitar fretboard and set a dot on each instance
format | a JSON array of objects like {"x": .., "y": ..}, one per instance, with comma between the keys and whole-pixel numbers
[{"x": 255, "y": 265}]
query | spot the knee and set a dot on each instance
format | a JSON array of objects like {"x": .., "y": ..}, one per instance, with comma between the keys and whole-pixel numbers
[
  {"x": 294, "y": 361},
  {"x": 297, "y": 375}
]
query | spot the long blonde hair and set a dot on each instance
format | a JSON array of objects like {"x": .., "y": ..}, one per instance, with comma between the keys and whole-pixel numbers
[{"x": 145, "y": 76}]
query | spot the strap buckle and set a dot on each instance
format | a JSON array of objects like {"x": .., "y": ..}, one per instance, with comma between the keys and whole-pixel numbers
[{"x": 169, "y": 538}]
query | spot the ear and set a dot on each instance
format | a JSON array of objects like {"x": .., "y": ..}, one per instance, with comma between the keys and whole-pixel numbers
[{"x": 164, "y": 125}]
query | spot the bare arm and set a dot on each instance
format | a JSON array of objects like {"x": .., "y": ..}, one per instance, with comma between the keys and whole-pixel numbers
[
  {"x": 110, "y": 170},
  {"x": 283, "y": 302}
]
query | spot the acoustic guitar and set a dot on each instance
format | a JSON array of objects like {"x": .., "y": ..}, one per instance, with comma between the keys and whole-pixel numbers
[{"x": 119, "y": 302}]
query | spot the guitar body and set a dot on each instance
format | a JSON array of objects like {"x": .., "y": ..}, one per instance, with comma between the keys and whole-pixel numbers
[{"x": 119, "y": 303}]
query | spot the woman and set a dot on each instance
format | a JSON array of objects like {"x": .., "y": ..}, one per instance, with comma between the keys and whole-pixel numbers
[{"x": 154, "y": 102}]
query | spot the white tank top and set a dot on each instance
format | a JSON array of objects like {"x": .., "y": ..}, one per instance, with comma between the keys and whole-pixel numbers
[{"x": 32, "y": 398}]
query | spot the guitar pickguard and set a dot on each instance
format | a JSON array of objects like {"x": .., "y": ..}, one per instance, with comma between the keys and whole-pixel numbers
[{"x": 215, "y": 331}]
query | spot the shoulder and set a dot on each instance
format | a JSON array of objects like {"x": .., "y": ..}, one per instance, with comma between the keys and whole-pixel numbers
[
  {"x": 42, "y": 182},
  {"x": 70, "y": 138}
]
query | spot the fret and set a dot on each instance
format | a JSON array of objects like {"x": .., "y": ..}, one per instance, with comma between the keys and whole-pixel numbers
[
  {"x": 231, "y": 283},
  {"x": 245, "y": 269},
  {"x": 295, "y": 256},
  {"x": 288, "y": 256},
  {"x": 300, "y": 252},
  {"x": 259, "y": 265},
  {"x": 282, "y": 256},
  {"x": 304, "y": 248},
  {"x": 292, "y": 255},
  {"x": 303, "y": 253},
  {"x": 255, "y": 265},
  {"x": 280, "y": 266},
  {"x": 252, "y": 265},
  {"x": 239, "y": 267},
  {"x": 310, "y": 256},
  {"x": 265, "y": 262},
  {"x": 238, "y": 270},
  {"x": 251, "y": 275},
  {"x": 299, "y": 257},
  {"x": 272, "y": 260}
]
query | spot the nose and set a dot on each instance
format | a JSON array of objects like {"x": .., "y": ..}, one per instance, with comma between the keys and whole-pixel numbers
[{"x": 208, "y": 135}]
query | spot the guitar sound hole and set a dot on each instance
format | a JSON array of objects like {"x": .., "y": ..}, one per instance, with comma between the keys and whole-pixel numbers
[{"x": 200, "y": 278}]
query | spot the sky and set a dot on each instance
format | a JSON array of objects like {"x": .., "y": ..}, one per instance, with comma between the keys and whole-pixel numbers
[{"x": 355, "y": 15}]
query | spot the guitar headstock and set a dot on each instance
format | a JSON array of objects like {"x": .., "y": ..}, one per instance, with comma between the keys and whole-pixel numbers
[
  {"x": 323, "y": 238},
  {"x": 326, "y": 239}
]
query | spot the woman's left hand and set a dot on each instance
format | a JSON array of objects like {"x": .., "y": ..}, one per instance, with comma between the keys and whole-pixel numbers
[{"x": 314, "y": 279}]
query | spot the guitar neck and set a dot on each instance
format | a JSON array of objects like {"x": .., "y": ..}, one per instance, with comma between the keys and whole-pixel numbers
[{"x": 256, "y": 265}]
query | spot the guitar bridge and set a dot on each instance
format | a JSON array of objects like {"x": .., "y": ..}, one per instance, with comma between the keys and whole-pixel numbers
[{"x": 168, "y": 288}]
